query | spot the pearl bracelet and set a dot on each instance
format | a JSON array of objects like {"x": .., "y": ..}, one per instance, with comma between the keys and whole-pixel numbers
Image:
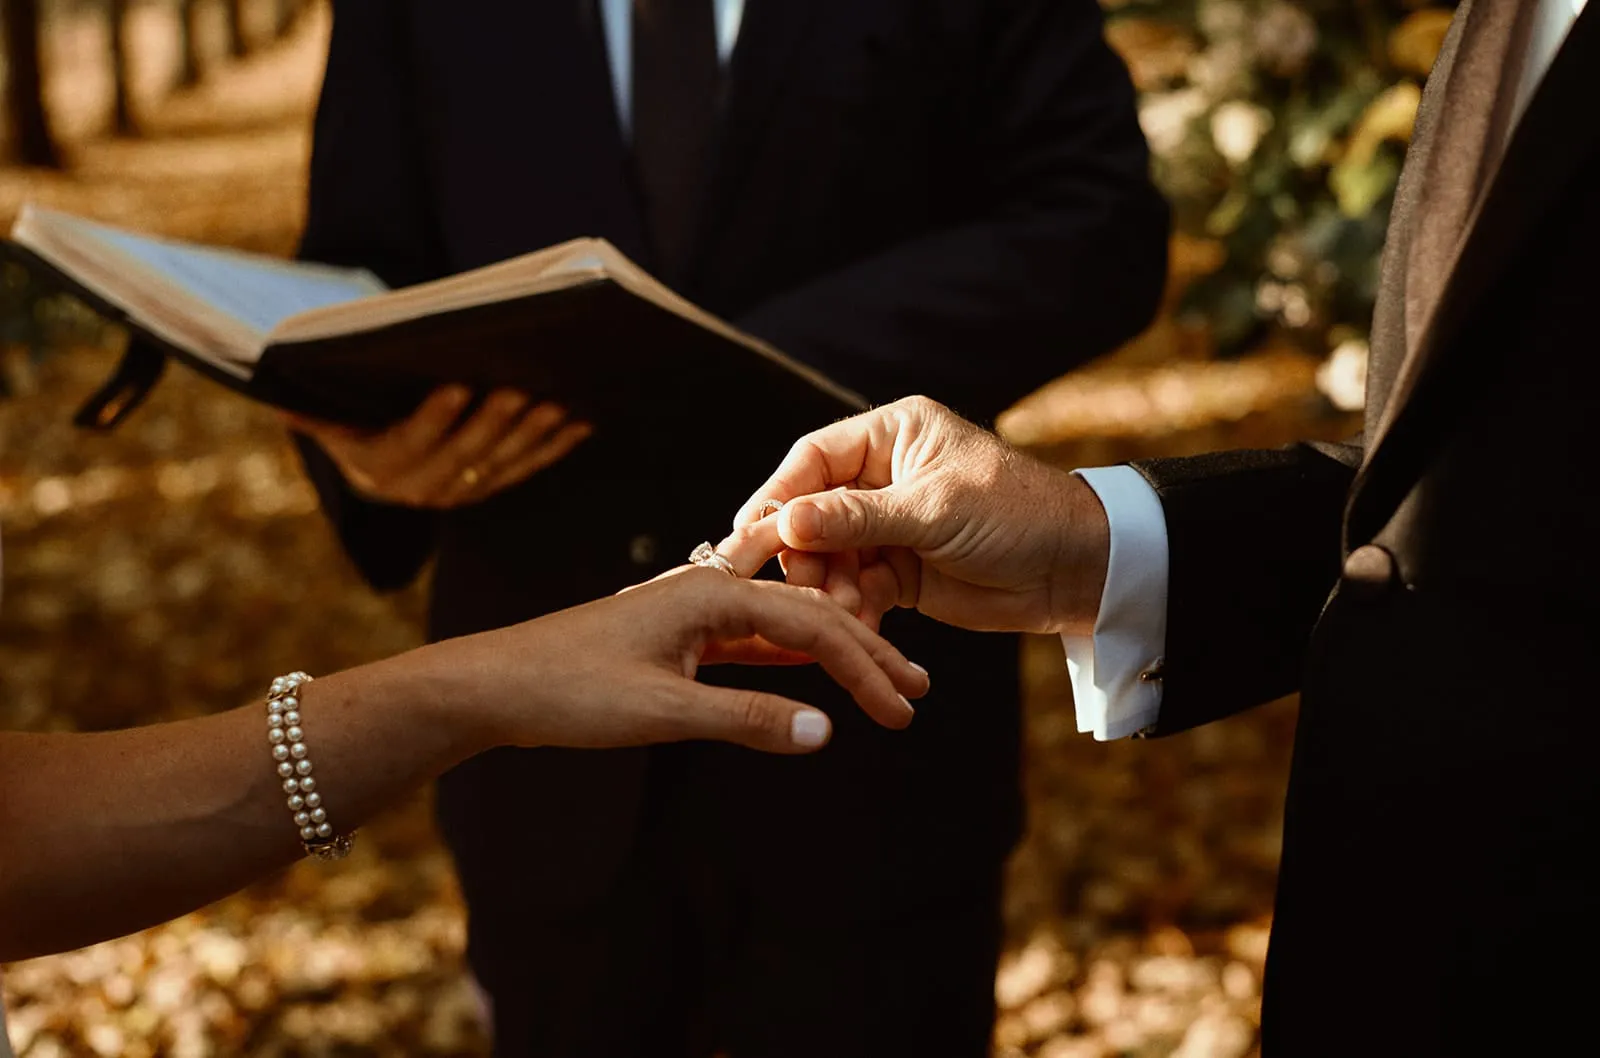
[{"x": 288, "y": 741}]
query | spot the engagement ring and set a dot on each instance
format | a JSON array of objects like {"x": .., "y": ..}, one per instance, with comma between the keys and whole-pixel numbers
[{"x": 706, "y": 555}]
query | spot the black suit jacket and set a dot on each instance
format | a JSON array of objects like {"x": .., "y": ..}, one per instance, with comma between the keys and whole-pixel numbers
[
  {"x": 1435, "y": 864},
  {"x": 948, "y": 196}
]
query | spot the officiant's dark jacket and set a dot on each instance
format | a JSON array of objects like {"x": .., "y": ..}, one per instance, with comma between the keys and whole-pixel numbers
[
  {"x": 945, "y": 196},
  {"x": 1437, "y": 895}
]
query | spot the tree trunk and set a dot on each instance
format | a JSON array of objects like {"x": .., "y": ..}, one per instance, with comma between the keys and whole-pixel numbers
[
  {"x": 28, "y": 124},
  {"x": 191, "y": 66},
  {"x": 238, "y": 44},
  {"x": 122, "y": 121}
]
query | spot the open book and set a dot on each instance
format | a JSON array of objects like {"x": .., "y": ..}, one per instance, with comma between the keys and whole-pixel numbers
[{"x": 577, "y": 323}]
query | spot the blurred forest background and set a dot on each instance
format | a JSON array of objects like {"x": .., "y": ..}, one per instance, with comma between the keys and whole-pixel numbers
[{"x": 171, "y": 568}]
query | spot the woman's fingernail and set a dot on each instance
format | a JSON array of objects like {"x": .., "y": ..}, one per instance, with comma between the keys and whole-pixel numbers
[
  {"x": 809, "y": 729},
  {"x": 914, "y": 665},
  {"x": 909, "y": 707}
]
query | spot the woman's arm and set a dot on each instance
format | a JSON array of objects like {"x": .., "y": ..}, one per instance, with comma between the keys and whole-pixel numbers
[{"x": 103, "y": 834}]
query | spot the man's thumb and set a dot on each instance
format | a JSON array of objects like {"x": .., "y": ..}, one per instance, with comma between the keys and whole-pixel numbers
[{"x": 846, "y": 519}]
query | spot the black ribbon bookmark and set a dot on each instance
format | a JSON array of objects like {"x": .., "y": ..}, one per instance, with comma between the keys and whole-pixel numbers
[{"x": 139, "y": 371}]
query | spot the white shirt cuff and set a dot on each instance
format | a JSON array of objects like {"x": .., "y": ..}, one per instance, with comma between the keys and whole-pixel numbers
[{"x": 1130, "y": 633}]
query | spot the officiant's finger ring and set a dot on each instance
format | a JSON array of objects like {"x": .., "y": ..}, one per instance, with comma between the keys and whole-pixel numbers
[
  {"x": 768, "y": 507},
  {"x": 706, "y": 555},
  {"x": 470, "y": 477}
]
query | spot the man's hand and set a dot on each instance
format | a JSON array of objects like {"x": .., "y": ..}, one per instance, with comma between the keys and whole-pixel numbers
[
  {"x": 429, "y": 461},
  {"x": 914, "y": 506}
]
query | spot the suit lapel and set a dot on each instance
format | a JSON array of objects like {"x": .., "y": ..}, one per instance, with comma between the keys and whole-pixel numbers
[
  {"x": 1388, "y": 338},
  {"x": 1475, "y": 114},
  {"x": 1556, "y": 136}
]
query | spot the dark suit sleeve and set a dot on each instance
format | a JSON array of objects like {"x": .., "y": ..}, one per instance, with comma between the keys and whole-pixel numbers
[
  {"x": 1253, "y": 539},
  {"x": 1062, "y": 257},
  {"x": 369, "y": 207}
]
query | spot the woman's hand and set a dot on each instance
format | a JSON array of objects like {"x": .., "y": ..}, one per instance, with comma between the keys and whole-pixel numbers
[
  {"x": 431, "y": 460},
  {"x": 185, "y": 812},
  {"x": 621, "y": 671}
]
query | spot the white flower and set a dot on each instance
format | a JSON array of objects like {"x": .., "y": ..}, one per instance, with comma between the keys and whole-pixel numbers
[
  {"x": 1342, "y": 378},
  {"x": 1165, "y": 118},
  {"x": 1237, "y": 128}
]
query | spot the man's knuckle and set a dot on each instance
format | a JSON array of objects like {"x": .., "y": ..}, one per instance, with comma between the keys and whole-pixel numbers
[
  {"x": 801, "y": 451},
  {"x": 925, "y": 409},
  {"x": 857, "y": 517}
]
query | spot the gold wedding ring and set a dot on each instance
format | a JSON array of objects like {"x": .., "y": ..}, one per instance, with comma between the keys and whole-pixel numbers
[
  {"x": 706, "y": 555},
  {"x": 768, "y": 507},
  {"x": 470, "y": 477}
]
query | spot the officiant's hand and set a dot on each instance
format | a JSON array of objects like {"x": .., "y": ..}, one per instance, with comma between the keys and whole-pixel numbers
[
  {"x": 621, "y": 671},
  {"x": 429, "y": 460},
  {"x": 911, "y": 505}
]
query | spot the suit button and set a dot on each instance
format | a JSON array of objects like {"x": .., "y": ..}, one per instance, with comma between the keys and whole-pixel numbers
[
  {"x": 642, "y": 549},
  {"x": 1370, "y": 573}
]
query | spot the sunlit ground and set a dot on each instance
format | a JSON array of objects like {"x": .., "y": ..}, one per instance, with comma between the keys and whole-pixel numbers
[{"x": 171, "y": 568}]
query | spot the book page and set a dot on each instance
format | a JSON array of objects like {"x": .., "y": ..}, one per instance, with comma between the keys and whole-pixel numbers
[
  {"x": 260, "y": 292},
  {"x": 212, "y": 301}
]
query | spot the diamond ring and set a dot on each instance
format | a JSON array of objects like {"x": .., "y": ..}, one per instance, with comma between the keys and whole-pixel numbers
[{"x": 706, "y": 555}]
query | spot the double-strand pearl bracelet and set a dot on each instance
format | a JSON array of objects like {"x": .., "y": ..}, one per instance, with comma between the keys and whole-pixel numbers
[{"x": 288, "y": 739}]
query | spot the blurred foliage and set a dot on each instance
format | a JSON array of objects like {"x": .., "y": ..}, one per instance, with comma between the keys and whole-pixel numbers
[
  {"x": 1278, "y": 130},
  {"x": 33, "y": 321}
]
